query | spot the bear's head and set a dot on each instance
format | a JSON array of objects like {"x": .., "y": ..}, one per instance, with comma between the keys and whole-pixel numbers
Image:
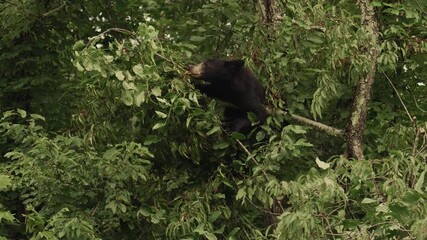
[{"x": 215, "y": 69}]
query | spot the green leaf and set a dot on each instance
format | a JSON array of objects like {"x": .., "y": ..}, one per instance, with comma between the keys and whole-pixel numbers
[
  {"x": 111, "y": 153},
  {"x": 5, "y": 182},
  {"x": 213, "y": 130},
  {"x": 127, "y": 98},
  {"x": 159, "y": 125},
  {"x": 420, "y": 183},
  {"x": 221, "y": 145},
  {"x": 109, "y": 58},
  {"x": 214, "y": 216},
  {"x": 161, "y": 114},
  {"x": 112, "y": 206},
  {"x": 7, "y": 216},
  {"x": 233, "y": 232},
  {"x": 150, "y": 139},
  {"x": 79, "y": 67},
  {"x": 260, "y": 136},
  {"x": 139, "y": 99},
  {"x": 79, "y": 45},
  {"x": 138, "y": 70},
  {"x": 156, "y": 91},
  {"x": 400, "y": 212},
  {"x": 321, "y": 164},
  {"x": 315, "y": 39},
  {"x": 122, "y": 207},
  {"x": 22, "y": 113},
  {"x": 210, "y": 236},
  {"x": 351, "y": 223},
  {"x": 238, "y": 136},
  {"x": 119, "y": 75},
  {"x": 129, "y": 85},
  {"x": 368, "y": 201},
  {"x": 376, "y": 4},
  {"x": 241, "y": 194},
  {"x": 37, "y": 117},
  {"x": 144, "y": 211},
  {"x": 297, "y": 129},
  {"x": 411, "y": 197},
  {"x": 197, "y": 38}
]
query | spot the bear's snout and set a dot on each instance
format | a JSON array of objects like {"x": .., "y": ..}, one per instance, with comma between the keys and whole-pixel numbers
[{"x": 195, "y": 70}]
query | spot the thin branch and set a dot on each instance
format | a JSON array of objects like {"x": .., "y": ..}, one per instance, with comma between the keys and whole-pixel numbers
[
  {"x": 398, "y": 95},
  {"x": 419, "y": 5},
  {"x": 120, "y": 30},
  {"x": 54, "y": 10},
  {"x": 424, "y": 144},
  {"x": 418, "y": 130},
  {"x": 417, "y": 136},
  {"x": 416, "y": 104},
  {"x": 251, "y": 157}
]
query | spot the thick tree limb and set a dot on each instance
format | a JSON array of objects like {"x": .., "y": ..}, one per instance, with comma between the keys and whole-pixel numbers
[
  {"x": 319, "y": 126},
  {"x": 357, "y": 122},
  {"x": 311, "y": 123}
]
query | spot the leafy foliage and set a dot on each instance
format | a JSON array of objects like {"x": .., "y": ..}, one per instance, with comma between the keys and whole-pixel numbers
[{"x": 102, "y": 136}]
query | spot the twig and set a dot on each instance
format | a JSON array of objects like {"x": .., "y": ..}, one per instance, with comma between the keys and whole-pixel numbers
[
  {"x": 398, "y": 95},
  {"x": 423, "y": 145},
  {"x": 417, "y": 136},
  {"x": 94, "y": 210},
  {"x": 120, "y": 30},
  {"x": 378, "y": 190},
  {"x": 412, "y": 119},
  {"x": 416, "y": 104},
  {"x": 54, "y": 10},
  {"x": 251, "y": 157},
  {"x": 329, "y": 227},
  {"x": 419, "y": 5}
]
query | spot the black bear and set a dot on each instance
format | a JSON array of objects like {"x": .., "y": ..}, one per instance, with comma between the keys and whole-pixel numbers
[{"x": 230, "y": 81}]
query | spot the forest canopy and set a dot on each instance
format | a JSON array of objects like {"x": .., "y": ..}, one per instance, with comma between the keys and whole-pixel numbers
[{"x": 104, "y": 136}]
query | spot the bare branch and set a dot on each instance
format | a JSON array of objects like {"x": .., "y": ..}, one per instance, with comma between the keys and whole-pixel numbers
[
  {"x": 54, "y": 10},
  {"x": 398, "y": 95},
  {"x": 421, "y": 8},
  {"x": 336, "y": 132},
  {"x": 319, "y": 126},
  {"x": 417, "y": 137},
  {"x": 120, "y": 30},
  {"x": 251, "y": 157}
]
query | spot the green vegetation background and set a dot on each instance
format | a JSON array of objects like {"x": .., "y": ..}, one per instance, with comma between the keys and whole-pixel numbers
[{"x": 102, "y": 136}]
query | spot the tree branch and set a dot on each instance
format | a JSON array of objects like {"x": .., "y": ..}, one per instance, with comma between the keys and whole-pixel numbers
[
  {"x": 319, "y": 126},
  {"x": 336, "y": 132},
  {"x": 54, "y": 10},
  {"x": 398, "y": 95},
  {"x": 120, "y": 30}
]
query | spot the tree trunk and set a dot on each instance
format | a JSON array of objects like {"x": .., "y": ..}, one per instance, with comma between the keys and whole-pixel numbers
[{"x": 357, "y": 122}]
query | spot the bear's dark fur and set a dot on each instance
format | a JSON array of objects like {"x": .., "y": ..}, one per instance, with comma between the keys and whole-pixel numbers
[{"x": 230, "y": 81}]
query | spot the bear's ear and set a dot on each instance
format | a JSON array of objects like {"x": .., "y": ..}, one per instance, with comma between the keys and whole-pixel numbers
[{"x": 235, "y": 64}]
